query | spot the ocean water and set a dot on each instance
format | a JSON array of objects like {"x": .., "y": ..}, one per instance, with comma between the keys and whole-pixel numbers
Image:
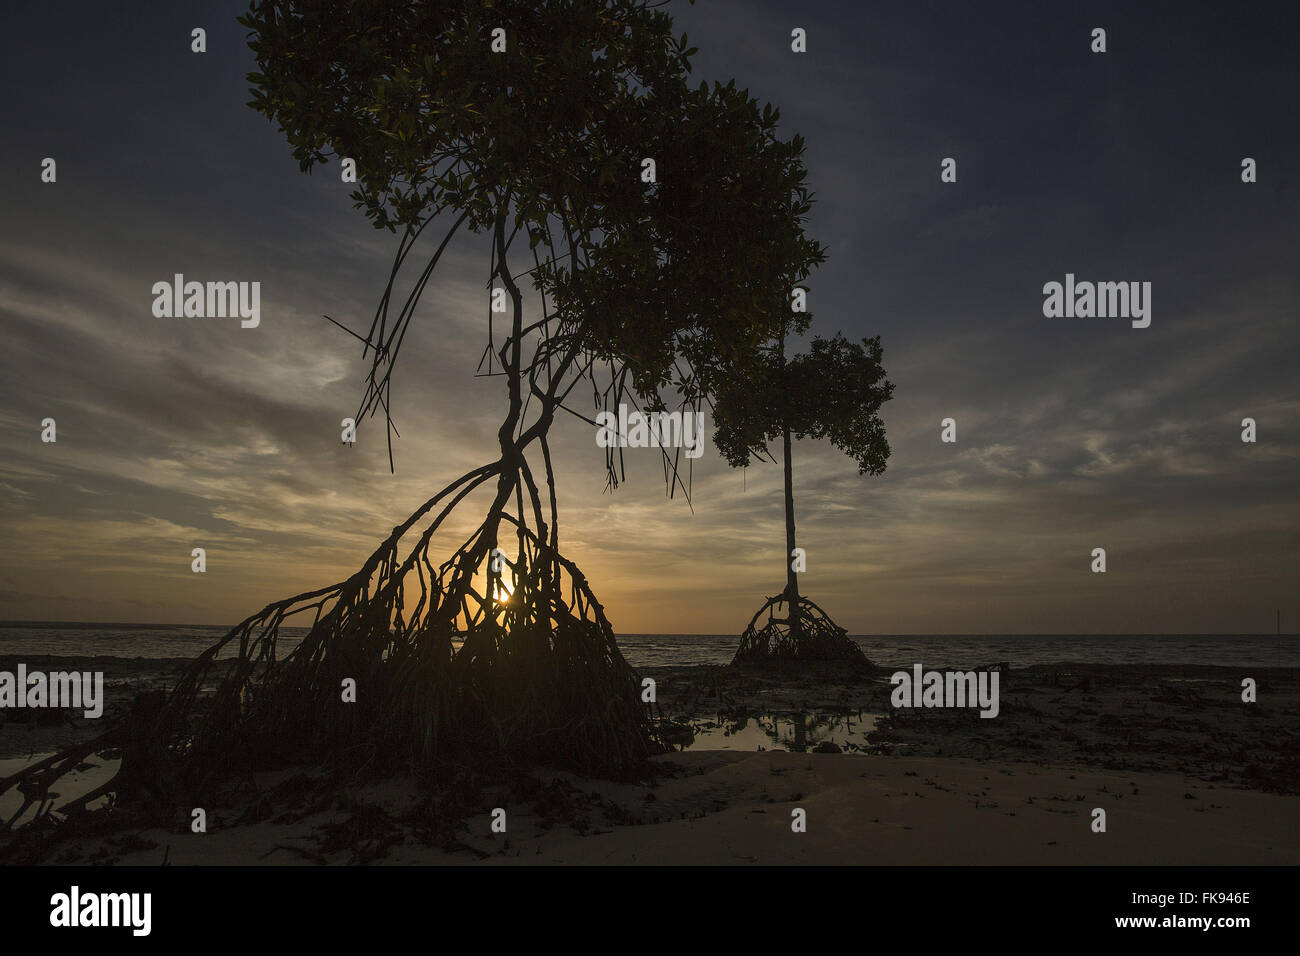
[{"x": 649, "y": 650}]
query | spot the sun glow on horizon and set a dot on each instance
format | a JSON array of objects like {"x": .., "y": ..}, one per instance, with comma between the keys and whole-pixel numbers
[{"x": 502, "y": 591}]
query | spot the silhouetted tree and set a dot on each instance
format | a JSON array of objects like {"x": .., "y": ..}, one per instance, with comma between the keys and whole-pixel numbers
[
  {"x": 833, "y": 391},
  {"x": 642, "y": 291}
]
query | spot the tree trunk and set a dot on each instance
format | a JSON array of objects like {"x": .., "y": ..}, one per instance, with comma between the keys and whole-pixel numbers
[{"x": 792, "y": 578}]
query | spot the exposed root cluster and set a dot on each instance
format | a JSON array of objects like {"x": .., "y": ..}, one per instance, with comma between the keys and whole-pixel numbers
[
  {"x": 486, "y": 660},
  {"x": 804, "y": 633}
]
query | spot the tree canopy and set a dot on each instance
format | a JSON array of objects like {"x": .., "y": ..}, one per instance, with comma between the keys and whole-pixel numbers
[
  {"x": 834, "y": 391},
  {"x": 674, "y": 284},
  {"x": 517, "y": 118}
]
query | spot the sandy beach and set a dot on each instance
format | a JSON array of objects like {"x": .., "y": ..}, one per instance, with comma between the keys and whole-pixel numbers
[
  {"x": 733, "y": 808},
  {"x": 1185, "y": 772}
]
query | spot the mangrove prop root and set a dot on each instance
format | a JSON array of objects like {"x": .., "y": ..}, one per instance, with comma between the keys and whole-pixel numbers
[
  {"x": 520, "y": 670},
  {"x": 804, "y": 633}
]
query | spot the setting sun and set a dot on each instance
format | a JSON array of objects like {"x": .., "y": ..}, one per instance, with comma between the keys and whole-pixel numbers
[{"x": 502, "y": 590}]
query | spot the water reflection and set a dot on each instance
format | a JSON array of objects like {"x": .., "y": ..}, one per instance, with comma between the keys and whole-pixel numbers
[{"x": 799, "y": 732}]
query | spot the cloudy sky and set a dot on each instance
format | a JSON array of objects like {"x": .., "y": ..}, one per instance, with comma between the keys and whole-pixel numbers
[{"x": 1072, "y": 433}]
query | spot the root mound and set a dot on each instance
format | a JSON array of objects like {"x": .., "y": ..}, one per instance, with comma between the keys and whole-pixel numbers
[
  {"x": 487, "y": 665},
  {"x": 804, "y": 633}
]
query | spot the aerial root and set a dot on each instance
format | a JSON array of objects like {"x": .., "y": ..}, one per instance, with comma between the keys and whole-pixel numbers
[
  {"x": 521, "y": 670},
  {"x": 804, "y": 633}
]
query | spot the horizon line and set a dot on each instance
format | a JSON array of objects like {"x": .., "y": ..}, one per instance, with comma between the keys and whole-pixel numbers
[{"x": 145, "y": 624}]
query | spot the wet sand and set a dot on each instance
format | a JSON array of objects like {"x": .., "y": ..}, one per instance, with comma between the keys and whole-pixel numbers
[
  {"x": 1187, "y": 719},
  {"x": 26, "y": 732},
  {"x": 1186, "y": 772},
  {"x": 726, "y": 808}
]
